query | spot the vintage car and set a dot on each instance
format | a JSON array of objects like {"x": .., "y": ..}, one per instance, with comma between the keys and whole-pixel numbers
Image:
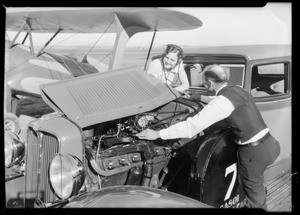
[{"x": 85, "y": 154}]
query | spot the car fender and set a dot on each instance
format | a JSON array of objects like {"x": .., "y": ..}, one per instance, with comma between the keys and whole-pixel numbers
[
  {"x": 214, "y": 174},
  {"x": 128, "y": 196}
]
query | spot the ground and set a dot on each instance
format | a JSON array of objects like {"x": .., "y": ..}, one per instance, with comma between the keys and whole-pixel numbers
[{"x": 284, "y": 206}]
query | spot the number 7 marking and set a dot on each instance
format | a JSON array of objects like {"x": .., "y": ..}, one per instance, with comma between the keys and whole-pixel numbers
[{"x": 231, "y": 168}]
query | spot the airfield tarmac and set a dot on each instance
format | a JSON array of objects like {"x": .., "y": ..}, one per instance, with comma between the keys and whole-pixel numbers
[{"x": 284, "y": 206}]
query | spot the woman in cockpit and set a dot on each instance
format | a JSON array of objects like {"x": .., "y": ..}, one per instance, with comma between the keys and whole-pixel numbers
[{"x": 169, "y": 68}]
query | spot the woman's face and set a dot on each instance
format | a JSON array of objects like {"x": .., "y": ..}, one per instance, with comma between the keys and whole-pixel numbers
[{"x": 170, "y": 60}]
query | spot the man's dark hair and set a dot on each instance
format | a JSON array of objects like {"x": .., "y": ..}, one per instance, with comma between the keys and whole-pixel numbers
[{"x": 215, "y": 73}]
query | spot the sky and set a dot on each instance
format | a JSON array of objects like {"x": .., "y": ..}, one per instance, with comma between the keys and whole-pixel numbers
[
  {"x": 234, "y": 26},
  {"x": 221, "y": 26}
]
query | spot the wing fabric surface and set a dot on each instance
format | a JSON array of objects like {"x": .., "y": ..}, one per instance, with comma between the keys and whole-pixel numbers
[{"x": 96, "y": 20}]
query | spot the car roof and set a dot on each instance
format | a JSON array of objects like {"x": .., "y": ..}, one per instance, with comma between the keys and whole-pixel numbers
[{"x": 251, "y": 52}]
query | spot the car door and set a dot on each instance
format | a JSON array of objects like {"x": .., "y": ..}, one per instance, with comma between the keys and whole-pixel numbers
[{"x": 270, "y": 86}]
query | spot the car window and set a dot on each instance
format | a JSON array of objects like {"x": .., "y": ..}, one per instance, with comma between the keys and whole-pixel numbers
[
  {"x": 235, "y": 73},
  {"x": 269, "y": 80},
  {"x": 195, "y": 74}
]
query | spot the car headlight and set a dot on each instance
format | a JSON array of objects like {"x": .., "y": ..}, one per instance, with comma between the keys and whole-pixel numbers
[
  {"x": 66, "y": 175},
  {"x": 14, "y": 148}
]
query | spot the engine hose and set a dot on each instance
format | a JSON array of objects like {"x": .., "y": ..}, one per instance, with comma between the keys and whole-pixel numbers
[
  {"x": 148, "y": 172},
  {"x": 163, "y": 120}
]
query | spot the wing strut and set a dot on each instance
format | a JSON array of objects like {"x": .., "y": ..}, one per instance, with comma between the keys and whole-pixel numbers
[
  {"x": 17, "y": 35},
  {"x": 25, "y": 38},
  {"x": 28, "y": 23},
  {"x": 42, "y": 49},
  {"x": 150, "y": 49},
  {"x": 30, "y": 36},
  {"x": 126, "y": 28}
]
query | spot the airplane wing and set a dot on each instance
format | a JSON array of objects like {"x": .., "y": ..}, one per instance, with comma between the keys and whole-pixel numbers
[{"x": 96, "y": 20}]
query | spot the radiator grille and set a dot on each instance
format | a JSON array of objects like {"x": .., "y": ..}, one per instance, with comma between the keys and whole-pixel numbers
[{"x": 41, "y": 148}]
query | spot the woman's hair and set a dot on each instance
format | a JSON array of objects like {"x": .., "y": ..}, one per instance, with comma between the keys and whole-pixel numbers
[{"x": 173, "y": 48}]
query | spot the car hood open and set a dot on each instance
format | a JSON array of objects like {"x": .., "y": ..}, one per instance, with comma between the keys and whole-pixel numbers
[{"x": 101, "y": 97}]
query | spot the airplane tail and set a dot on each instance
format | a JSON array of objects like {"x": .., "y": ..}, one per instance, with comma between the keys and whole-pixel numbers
[
  {"x": 75, "y": 67},
  {"x": 101, "y": 67}
]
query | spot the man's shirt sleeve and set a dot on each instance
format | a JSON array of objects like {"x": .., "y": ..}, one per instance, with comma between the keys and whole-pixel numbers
[{"x": 216, "y": 110}]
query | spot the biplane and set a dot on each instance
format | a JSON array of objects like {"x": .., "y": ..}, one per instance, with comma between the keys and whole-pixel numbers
[
  {"x": 27, "y": 67},
  {"x": 85, "y": 153}
]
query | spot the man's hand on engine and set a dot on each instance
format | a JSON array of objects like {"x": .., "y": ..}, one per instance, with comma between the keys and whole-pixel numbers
[
  {"x": 148, "y": 134},
  {"x": 186, "y": 94}
]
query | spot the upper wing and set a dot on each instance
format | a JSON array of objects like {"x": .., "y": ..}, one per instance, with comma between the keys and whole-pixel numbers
[{"x": 96, "y": 20}]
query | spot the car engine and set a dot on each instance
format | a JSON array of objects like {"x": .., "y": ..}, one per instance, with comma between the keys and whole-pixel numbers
[{"x": 116, "y": 157}]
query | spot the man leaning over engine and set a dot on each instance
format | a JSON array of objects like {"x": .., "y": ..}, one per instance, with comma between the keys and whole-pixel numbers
[{"x": 257, "y": 147}]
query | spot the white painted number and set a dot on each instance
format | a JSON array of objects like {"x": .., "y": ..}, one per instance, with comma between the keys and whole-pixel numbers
[{"x": 231, "y": 168}]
